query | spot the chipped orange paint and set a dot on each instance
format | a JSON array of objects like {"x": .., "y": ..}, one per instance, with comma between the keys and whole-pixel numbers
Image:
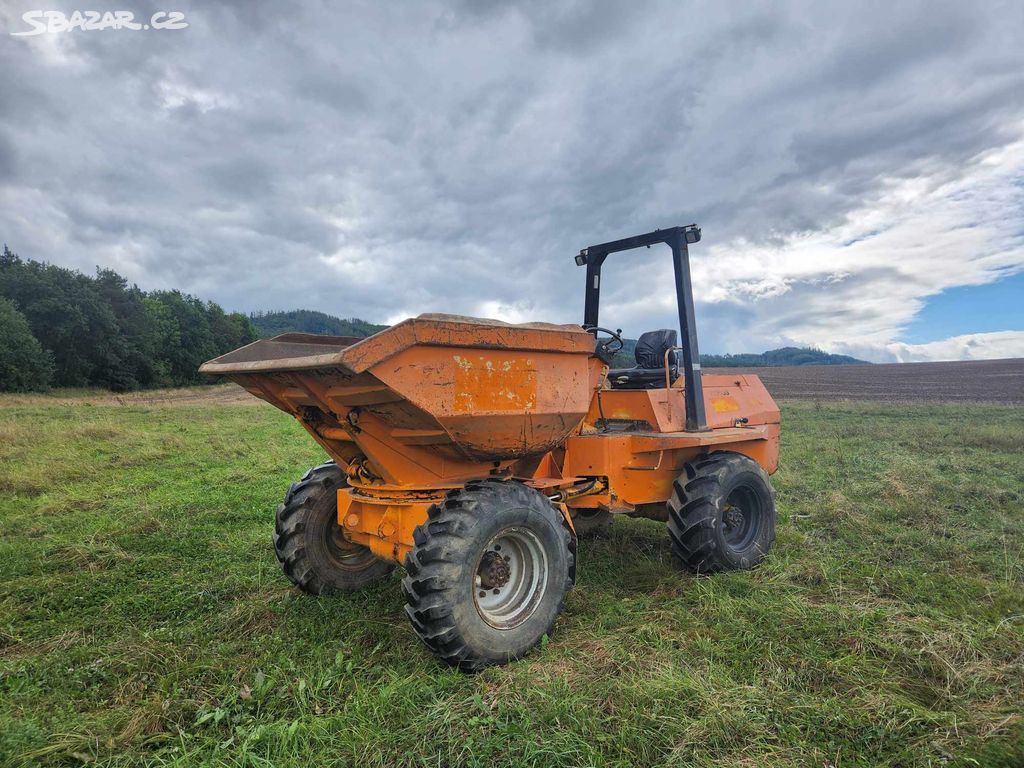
[
  {"x": 494, "y": 382},
  {"x": 439, "y": 400}
]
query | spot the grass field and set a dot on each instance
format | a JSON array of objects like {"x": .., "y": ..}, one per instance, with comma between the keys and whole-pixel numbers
[{"x": 143, "y": 620}]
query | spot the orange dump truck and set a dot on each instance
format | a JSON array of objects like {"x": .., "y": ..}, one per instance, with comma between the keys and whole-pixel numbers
[{"x": 474, "y": 453}]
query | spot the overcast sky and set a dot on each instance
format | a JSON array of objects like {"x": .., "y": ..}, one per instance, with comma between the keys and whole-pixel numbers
[{"x": 858, "y": 174}]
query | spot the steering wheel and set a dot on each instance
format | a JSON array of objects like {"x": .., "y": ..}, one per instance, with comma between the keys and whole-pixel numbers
[{"x": 607, "y": 349}]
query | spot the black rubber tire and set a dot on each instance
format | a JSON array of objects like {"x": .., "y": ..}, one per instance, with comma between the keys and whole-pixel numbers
[
  {"x": 441, "y": 589},
  {"x": 721, "y": 516},
  {"x": 308, "y": 542},
  {"x": 591, "y": 522}
]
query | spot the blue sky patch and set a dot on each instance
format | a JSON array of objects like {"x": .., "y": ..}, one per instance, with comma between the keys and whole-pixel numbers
[{"x": 997, "y": 306}]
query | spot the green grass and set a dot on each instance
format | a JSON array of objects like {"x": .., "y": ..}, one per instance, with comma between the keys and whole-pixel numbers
[{"x": 143, "y": 619}]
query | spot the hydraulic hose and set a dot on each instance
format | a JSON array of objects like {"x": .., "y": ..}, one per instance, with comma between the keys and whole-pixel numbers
[{"x": 597, "y": 485}]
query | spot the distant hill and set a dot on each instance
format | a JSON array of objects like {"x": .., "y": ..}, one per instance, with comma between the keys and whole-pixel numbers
[
  {"x": 777, "y": 357},
  {"x": 308, "y": 321},
  {"x": 771, "y": 358}
]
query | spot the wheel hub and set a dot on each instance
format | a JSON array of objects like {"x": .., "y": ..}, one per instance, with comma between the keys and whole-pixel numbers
[
  {"x": 740, "y": 517},
  {"x": 511, "y": 578},
  {"x": 494, "y": 570},
  {"x": 733, "y": 517},
  {"x": 346, "y": 555}
]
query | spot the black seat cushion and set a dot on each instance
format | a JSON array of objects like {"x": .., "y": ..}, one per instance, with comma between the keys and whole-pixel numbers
[
  {"x": 637, "y": 378},
  {"x": 651, "y": 348},
  {"x": 649, "y": 372}
]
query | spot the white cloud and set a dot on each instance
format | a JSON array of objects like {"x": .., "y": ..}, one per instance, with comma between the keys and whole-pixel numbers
[
  {"x": 859, "y": 283},
  {"x": 175, "y": 94},
  {"x": 976, "y": 346}
]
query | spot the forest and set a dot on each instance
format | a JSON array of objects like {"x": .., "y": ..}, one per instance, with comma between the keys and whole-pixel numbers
[
  {"x": 310, "y": 321},
  {"x": 784, "y": 356},
  {"x": 62, "y": 328}
]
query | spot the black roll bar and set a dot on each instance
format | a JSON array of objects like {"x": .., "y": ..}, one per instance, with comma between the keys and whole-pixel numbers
[{"x": 678, "y": 239}]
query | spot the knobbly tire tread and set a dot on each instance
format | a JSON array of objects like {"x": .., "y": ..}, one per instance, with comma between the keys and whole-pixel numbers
[
  {"x": 440, "y": 543},
  {"x": 290, "y": 524},
  {"x": 694, "y": 513}
]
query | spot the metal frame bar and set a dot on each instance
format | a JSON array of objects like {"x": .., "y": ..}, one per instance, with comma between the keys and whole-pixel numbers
[{"x": 678, "y": 239}]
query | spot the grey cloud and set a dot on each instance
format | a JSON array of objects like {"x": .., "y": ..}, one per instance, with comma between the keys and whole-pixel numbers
[
  {"x": 449, "y": 156},
  {"x": 8, "y": 157}
]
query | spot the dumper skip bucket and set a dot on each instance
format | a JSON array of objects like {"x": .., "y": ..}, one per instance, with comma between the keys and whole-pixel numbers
[{"x": 461, "y": 389}]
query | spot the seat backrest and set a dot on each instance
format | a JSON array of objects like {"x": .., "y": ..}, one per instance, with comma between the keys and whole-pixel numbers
[{"x": 651, "y": 348}]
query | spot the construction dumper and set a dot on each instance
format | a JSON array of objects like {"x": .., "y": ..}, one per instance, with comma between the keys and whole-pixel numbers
[{"x": 475, "y": 453}]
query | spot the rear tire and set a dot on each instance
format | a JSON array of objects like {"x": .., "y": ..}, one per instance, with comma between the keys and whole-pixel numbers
[
  {"x": 488, "y": 574},
  {"x": 591, "y": 522},
  {"x": 309, "y": 544},
  {"x": 721, "y": 516}
]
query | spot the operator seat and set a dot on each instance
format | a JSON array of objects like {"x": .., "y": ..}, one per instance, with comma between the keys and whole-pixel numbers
[{"x": 649, "y": 372}]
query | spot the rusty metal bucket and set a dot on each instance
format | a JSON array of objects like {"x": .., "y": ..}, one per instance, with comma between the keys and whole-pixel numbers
[{"x": 445, "y": 392}]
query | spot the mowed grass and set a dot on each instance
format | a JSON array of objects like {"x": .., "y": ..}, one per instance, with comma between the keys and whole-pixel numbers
[{"x": 143, "y": 619}]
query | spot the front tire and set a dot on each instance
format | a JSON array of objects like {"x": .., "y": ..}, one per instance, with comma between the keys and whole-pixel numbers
[
  {"x": 309, "y": 543},
  {"x": 721, "y": 516},
  {"x": 488, "y": 574}
]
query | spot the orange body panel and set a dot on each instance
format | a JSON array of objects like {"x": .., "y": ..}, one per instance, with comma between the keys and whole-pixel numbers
[
  {"x": 434, "y": 402},
  {"x": 384, "y": 522},
  {"x": 642, "y": 459}
]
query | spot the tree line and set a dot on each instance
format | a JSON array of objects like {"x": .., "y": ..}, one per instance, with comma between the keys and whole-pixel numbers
[
  {"x": 778, "y": 357},
  {"x": 59, "y": 327},
  {"x": 310, "y": 321},
  {"x": 773, "y": 357}
]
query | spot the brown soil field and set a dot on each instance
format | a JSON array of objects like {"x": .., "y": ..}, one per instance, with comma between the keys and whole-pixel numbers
[
  {"x": 219, "y": 394},
  {"x": 992, "y": 381}
]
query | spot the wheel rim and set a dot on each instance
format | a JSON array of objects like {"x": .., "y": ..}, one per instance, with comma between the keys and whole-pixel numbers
[
  {"x": 511, "y": 578},
  {"x": 343, "y": 553},
  {"x": 741, "y": 517}
]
